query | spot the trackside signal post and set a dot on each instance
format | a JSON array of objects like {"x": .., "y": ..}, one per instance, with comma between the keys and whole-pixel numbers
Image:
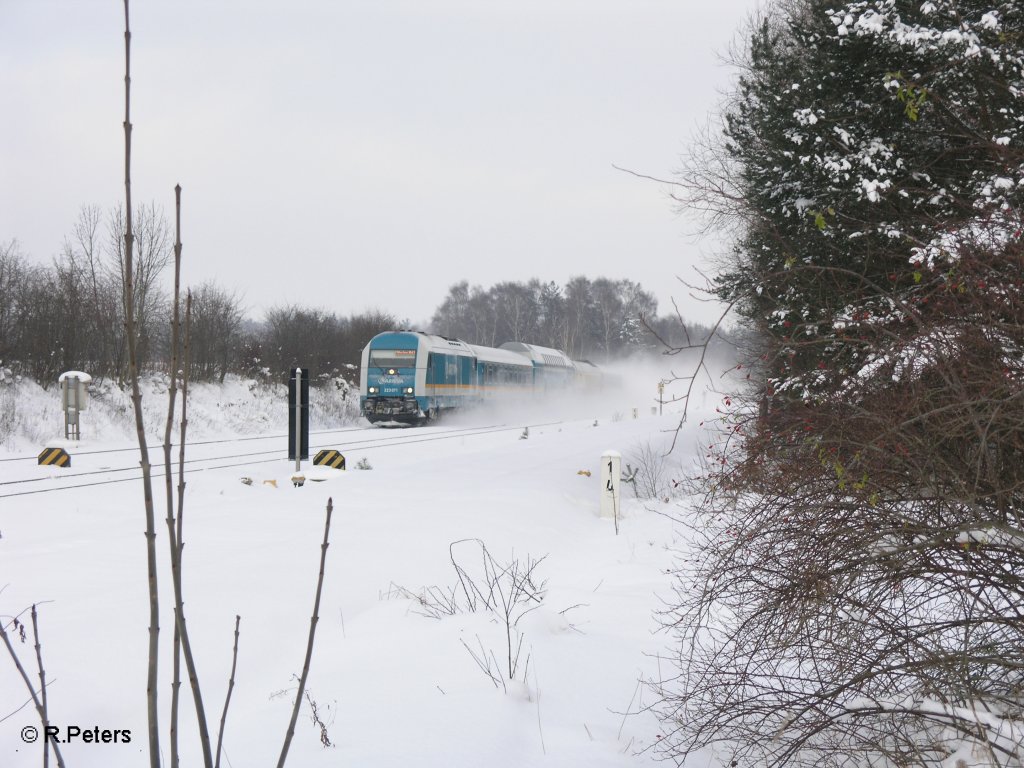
[
  {"x": 611, "y": 479},
  {"x": 298, "y": 416},
  {"x": 74, "y": 398}
]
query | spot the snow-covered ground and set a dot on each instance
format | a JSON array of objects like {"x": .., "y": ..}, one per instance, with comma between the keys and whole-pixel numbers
[{"x": 392, "y": 686}]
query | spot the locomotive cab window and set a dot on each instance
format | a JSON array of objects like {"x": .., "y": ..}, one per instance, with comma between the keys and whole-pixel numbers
[{"x": 386, "y": 359}]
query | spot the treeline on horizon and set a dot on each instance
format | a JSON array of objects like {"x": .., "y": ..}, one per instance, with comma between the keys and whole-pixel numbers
[{"x": 69, "y": 314}]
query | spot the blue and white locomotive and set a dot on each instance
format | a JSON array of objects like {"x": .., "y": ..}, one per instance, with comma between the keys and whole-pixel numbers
[{"x": 410, "y": 377}]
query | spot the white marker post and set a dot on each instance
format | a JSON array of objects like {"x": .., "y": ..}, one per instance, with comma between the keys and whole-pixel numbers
[{"x": 611, "y": 478}]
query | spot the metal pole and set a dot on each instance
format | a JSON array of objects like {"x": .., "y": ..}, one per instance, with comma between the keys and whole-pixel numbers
[
  {"x": 298, "y": 419},
  {"x": 64, "y": 404},
  {"x": 77, "y": 429}
]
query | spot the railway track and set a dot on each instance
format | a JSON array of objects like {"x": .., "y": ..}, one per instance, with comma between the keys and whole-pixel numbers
[{"x": 364, "y": 439}]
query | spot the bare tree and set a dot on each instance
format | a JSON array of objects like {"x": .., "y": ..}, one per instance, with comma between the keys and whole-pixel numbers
[
  {"x": 516, "y": 309},
  {"x": 314, "y": 619},
  {"x": 86, "y": 258},
  {"x": 14, "y": 274},
  {"x": 127, "y": 266},
  {"x": 579, "y": 302},
  {"x": 551, "y": 318},
  {"x": 39, "y": 334},
  {"x": 174, "y": 520},
  {"x": 38, "y": 697},
  {"x": 216, "y": 332},
  {"x": 12, "y": 269},
  {"x": 452, "y": 317},
  {"x": 151, "y": 254}
]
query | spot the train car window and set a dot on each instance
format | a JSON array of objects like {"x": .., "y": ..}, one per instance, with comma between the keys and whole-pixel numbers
[{"x": 392, "y": 358}]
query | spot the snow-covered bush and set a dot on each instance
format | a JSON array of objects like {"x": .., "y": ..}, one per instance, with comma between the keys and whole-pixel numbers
[
  {"x": 29, "y": 416},
  {"x": 832, "y": 611},
  {"x": 334, "y": 402},
  {"x": 8, "y": 415}
]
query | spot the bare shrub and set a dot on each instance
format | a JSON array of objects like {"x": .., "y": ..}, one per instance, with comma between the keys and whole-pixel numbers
[
  {"x": 650, "y": 472},
  {"x": 13, "y": 625},
  {"x": 506, "y": 591},
  {"x": 317, "y": 712}
]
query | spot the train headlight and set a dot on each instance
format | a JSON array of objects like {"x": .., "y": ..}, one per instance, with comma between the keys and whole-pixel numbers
[
  {"x": 391, "y": 371},
  {"x": 372, "y": 390},
  {"x": 408, "y": 390}
]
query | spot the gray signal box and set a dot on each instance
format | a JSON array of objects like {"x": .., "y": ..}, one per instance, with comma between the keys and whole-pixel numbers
[{"x": 74, "y": 398}]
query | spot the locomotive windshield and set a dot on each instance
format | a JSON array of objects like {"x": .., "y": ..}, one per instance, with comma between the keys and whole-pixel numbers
[{"x": 392, "y": 358}]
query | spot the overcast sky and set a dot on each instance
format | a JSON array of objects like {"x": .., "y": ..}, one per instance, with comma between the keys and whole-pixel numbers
[{"x": 353, "y": 154}]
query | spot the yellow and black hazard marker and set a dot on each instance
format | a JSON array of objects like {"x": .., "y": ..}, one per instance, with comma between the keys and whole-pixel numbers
[
  {"x": 330, "y": 458},
  {"x": 55, "y": 457}
]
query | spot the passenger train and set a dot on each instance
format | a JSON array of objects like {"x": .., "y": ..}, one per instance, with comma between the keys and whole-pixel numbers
[{"x": 412, "y": 377}]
